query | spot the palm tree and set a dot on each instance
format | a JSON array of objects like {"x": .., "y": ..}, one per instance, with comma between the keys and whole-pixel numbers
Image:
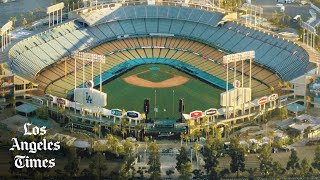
[
  {"x": 259, "y": 138},
  {"x": 189, "y": 126},
  {"x": 21, "y": 16},
  {"x": 91, "y": 142},
  {"x": 123, "y": 132},
  {"x": 113, "y": 143},
  {"x": 186, "y": 137},
  {"x": 146, "y": 139},
  {"x": 181, "y": 137},
  {"x": 271, "y": 136},
  {"x": 192, "y": 135},
  {"x": 37, "y": 10},
  {"x": 213, "y": 128},
  {"x": 288, "y": 19},
  {"x": 24, "y": 22},
  {"x": 196, "y": 148},
  {"x": 207, "y": 131},
  {"x": 31, "y": 16},
  {"x": 136, "y": 147},
  {"x": 95, "y": 129},
  {"x": 308, "y": 100},
  {"x": 13, "y": 19},
  {"x": 227, "y": 131},
  {"x": 115, "y": 128},
  {"x": 283, "y": 15},
  {"x": 137, "y": 130},
  {"x": 272, "y": 89}
]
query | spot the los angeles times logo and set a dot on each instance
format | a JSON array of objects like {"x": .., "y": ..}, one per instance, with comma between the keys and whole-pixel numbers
[{"x": 23, "y": 161}]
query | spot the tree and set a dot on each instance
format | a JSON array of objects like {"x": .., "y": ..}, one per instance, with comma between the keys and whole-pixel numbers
[
  {"x": 288, "y": 17},
  {"x": 13, "y": 19},
  {"x": 316, "y": 160},
  {"x": 228, "y": 130},
  {"x": 182, "y": 158},
  {"x": 293, "y": 162},
  {"x": 186, "y": 171},
  {"x": 42, "y": 112},
  {"x": 275, "y": 17},
  {"x": 146, "y": 139},
  {"x": 21, "y": 16},
  {"x": 306, "y": 168},
  {"x": 277, "y": 170},
  {"x": 213, "y": 128},
  {"x": 207, "y": 131},
  {"x": 95, "y": 129},
  {"x": 112, "y": 127},
  {"x": 196, "y": 148},
  {"x": 37, "y": 10},
  {"x": 265, "y": 160},
  {"x": 98, "y": 166},
  {"x": 15, "y": 172},
  {"x": 211, "y": 160},
  {"x": 271, "y": 135},
  {"x": 31, "y": 16},
  {"x": 113, "y": 143},
  {"x": 154, "y": 161},
  {"x": 169, "y": 172},
  {"x": 197, "y": 174},
  {"x": 24, "y": 22},
  {"x": 283, "y": 112},
  {"x": 218, "y": 135},
  {"x": 251, "y": 172},
  {"x": 128, "y": 161},
  {"x": 237, "y": 156},
  {"x": 181, "y": 138},
  {"x": 307, "y": 131},
  {"x": 123, "y": 132},
  {"x": 138, "y": 129},
  {"x": 72, "y": 166}
]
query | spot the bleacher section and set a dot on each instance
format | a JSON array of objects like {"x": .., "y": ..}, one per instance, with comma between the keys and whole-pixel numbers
[{"x": 33, "y": 55}]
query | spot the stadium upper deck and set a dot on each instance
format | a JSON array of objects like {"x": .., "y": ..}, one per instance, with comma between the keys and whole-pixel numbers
[{"x": 97, "y": 26}]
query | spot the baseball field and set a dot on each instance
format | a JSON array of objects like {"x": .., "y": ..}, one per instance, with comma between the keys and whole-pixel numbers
[{"x": 163, "y": 86}]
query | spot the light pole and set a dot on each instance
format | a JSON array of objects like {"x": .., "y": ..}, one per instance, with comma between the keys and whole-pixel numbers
[
  {"x": 155, "y": 103},
  {"x": 173, "y": 102}
]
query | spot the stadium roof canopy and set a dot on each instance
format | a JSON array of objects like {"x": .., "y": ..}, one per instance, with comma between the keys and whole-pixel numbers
[
  {"x": 295, "y": 107},
  {"x": 26, "y": 108}
]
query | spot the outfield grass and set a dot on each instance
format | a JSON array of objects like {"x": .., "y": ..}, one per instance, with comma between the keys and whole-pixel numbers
[{"x": 197, "y": 95}]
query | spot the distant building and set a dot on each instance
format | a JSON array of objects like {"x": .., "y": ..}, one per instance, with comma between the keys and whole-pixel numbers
[{"x": 301, "y": 123}]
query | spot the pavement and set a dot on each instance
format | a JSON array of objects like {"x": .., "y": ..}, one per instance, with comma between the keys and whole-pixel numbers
[{"x": 293, "y": 9}]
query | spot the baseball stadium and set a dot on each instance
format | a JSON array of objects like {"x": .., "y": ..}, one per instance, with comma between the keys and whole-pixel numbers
[{"x": 160, "y": 51}]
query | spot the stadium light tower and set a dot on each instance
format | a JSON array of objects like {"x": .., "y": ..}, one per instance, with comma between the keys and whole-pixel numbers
[
  {"x": 253, "y": 10},
  {"x": 51, "y": 10},
  {"x": 308, "y": 29},
  {"x": 91, "y": 58},
  {"x": 5, "y": 33},
  {"x": 234, "y": 58}
]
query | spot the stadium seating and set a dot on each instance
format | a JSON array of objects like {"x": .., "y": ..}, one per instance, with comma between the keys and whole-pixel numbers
[
  {"x": 183, "y": 60},
  {"x": 31, "y": 56}
]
